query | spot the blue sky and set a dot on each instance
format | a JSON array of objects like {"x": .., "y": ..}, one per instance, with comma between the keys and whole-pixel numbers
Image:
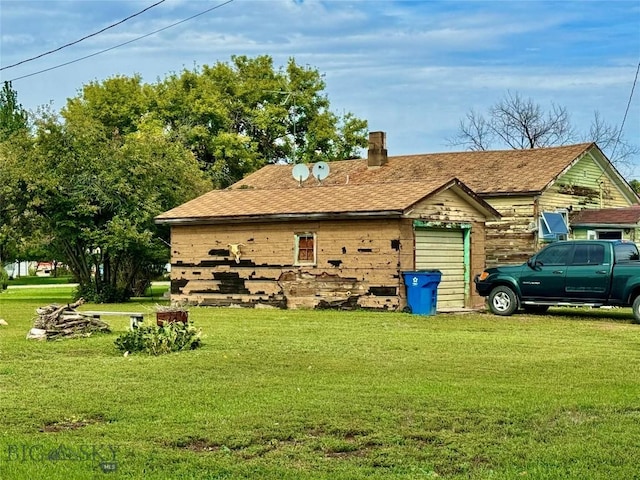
[{"x": 411, "y": 68}]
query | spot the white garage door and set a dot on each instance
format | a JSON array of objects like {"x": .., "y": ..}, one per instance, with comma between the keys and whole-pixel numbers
[{"x": 443, "y": 250}]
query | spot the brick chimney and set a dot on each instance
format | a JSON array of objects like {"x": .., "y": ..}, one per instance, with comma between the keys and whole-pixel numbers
[{"x": 377, "y": 155}]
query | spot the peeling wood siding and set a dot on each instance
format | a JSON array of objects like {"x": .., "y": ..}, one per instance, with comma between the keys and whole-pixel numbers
[
  {"x": 582, "y": 182},
  {"x": 357, "y": 264},
  {"x": 477, "y": 242},
  {"x": 511, "y": 239},
  {"x": 447, "y": 206}
]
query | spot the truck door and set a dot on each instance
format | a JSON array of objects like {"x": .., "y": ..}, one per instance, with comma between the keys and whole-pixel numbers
[
  {"x": 545, "y": 277},
  {"x": 589, "y": 275}
]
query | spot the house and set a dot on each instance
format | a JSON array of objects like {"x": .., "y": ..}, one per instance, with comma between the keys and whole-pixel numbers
[
  {"x": 534, "y": 190},
  {"x": 337, "y": 242},
  {"x": 607, "y": 223},
  {"x": 311, "y": 241}
]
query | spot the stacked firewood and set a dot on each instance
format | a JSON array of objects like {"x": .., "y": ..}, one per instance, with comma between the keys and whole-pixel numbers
[{"x": 57, "y": 321}]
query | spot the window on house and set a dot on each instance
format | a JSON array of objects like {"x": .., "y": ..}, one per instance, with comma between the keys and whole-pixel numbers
[
  {"x": 553, "y": 226},
  {"x": 610, "y": 235},
  {"x": 305, "y": 244}
]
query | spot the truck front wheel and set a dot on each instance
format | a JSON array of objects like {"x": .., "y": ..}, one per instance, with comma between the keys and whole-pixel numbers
[
  {"x": 636, "y": 310},
  {"x": 503, "y": 301}
]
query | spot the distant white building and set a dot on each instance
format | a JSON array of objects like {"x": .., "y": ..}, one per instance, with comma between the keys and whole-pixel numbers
[{"x": 19, "y": 269}]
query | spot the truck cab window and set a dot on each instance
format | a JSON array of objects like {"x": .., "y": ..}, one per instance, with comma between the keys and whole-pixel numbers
[
  {"x": 558, "y": 254},
  {"x": 588, "y": 255},
  {"x": 626, "y": 252}
]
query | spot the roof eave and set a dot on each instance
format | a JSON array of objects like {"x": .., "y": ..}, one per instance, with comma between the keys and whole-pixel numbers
[
  {"x": 604, "y": 225},
  {"x": 290, "y": 217},
  {"x": 509, "y": 194}
]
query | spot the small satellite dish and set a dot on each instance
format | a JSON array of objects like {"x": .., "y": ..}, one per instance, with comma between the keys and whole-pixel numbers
[
  {"x": 300, "y": 172},
  {"x": 320, "y": 170}
]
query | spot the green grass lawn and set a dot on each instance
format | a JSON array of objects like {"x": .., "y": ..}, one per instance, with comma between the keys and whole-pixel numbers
[
  {"x": 322, "y": 394},
  {"x": 35, "y": 280}
]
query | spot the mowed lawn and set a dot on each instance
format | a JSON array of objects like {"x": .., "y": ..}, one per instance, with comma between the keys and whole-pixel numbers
[{"x": 324, "y": 394}]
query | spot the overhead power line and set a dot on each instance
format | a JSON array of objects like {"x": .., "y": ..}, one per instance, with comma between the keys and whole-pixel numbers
[
  {"x": 626, "y": 112},
  {"x": 83, "y": 38},
  {"x": 122, "y": 44}
]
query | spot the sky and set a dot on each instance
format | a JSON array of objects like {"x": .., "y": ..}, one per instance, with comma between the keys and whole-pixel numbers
[{"x": 413, "y": 69}]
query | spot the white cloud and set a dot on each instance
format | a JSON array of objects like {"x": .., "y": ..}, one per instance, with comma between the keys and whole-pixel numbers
[{"x": 411, "y": 68}]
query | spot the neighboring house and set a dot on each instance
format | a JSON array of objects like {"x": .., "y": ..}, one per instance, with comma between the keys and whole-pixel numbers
[
  {"x": 607, "y": 223},
  {"x": 309, "y": 242}
]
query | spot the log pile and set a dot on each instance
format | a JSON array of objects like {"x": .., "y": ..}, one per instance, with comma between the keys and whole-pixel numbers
[{"x": 58, "y": 321}]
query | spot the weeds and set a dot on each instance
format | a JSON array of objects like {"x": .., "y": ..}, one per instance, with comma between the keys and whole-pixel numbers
[{"x": 158, "y": 340}]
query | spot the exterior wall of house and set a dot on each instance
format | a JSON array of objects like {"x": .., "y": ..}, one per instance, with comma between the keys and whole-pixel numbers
[
  {"x": 357, "y": 264},
  {"x": 514, "y": 238},
  {"x": 450, "y": 210},
  {"x": 584, "y": 186},
  {"x": 582, "y": 233},
  {"x": 511, "y": 240}
]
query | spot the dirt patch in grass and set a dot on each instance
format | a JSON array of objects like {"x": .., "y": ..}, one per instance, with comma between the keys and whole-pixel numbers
[
  {"x": 198, "y": 445},
  {"x": 70, "y": 424}
]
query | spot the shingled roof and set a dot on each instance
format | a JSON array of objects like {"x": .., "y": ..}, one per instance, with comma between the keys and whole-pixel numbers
[
  {"x": 485, "y": 172},
  {"x": 320, "y": 201},
  {"x": 628, "y": 216},
  {"x": 354, "y": 188}
]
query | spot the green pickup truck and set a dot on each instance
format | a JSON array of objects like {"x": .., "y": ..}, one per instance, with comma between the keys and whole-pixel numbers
[{"x": 574, "y": 272}]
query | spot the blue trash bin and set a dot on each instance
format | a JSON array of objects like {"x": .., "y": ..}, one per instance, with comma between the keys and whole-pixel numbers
[{"x": 422, "y": 291}]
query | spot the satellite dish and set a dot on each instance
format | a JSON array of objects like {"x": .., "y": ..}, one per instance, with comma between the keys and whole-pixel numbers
[
  {"x": 300, "y": 172},
  {"x": 320, "y": 170}
]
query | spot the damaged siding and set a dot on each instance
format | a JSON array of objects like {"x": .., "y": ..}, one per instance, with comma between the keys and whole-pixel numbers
[
  {"x": 448, "y": 209},
  {"x": 514, "y": 238},
  {"x": 357, "y": 264}
]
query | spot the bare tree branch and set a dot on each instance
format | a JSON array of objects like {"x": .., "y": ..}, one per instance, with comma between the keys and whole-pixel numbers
[{"x": 519, "y": 123}]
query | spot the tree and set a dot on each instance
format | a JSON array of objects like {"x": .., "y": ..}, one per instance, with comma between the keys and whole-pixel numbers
[
  {"x": 237, "y": 117},
  {"x": 89, "y": 181},
  {"x": 13, "y": 124},
  {"x": 520, "y": 123},
  {"x": 13, "y": 117},
  {"x": 99, "y": 196}
]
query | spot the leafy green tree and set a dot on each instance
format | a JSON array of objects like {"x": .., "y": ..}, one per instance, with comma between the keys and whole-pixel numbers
[
  {"x": 86, "y": 184},
  {"x": 100, "y": 194},
  {"x": 635, "y": 184},
  {"x": 13, "y": 117},
  {"x": 13, "y": 126},
  {"x": 237, "y": 117}
]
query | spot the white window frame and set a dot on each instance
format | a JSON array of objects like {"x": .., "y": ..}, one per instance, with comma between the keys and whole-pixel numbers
[
  {"x": 552, "y": 237},
  {"x": 296, "y": 252}
]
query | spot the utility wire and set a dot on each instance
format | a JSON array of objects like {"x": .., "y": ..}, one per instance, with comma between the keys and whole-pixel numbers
[
  {"x": 122, "y": 44},
  {"x": 633, "y": 87},
  {"x": 83, "y": 38}
]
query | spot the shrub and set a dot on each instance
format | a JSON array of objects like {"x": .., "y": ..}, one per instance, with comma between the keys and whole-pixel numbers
[
  {"x": 108, "y": 293},
  {"x": 155, "y": 340}
]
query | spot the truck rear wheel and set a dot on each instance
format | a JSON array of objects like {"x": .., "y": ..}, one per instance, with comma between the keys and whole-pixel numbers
[
  {"x": 636, "y": 310},
  {"x": 503, "y": 301}
]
